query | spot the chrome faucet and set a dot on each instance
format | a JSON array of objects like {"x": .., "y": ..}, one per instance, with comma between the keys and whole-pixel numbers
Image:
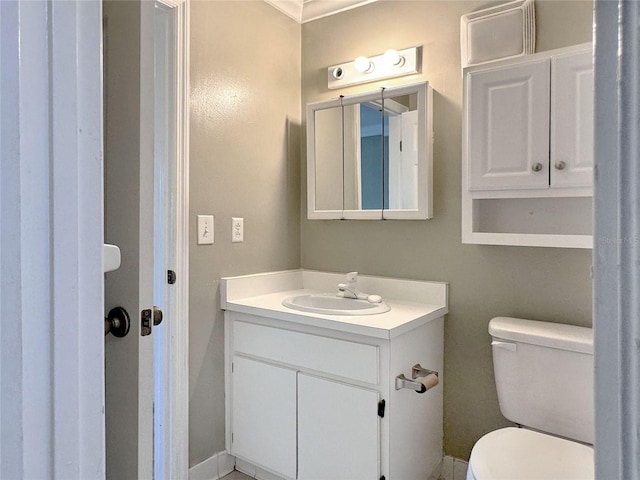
[{"x": 350, "y": 289}]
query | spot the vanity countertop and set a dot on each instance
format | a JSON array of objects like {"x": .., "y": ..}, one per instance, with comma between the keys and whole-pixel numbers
[{"x": 414, "y": 303}]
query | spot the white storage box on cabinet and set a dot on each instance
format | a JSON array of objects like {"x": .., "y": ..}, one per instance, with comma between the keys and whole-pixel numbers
[{"x": 528, "y": 150}]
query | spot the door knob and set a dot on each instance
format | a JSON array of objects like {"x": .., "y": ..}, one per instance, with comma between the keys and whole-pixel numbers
[
  {"x": 117, "y": 322},
  {"x": 560, "y": 165},
  {"x": 536, "y": 167}
]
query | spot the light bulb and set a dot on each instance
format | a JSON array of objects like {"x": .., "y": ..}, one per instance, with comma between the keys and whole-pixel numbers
[
  {"x": 392, "y": 58},
  {"x": 363, "y": 65}
]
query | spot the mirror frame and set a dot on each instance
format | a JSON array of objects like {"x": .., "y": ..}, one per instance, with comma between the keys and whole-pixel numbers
[{"x": 424, "y": 209}]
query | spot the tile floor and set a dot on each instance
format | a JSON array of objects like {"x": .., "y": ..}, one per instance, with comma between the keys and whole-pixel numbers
[{"x": 236, "y": 475}]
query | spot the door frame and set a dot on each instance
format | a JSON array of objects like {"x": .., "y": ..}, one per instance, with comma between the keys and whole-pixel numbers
[
  {"x": 51, "y": 191},
  {"x": 138, "y": 145},
  {"x": 176, "y": 418},
  {"x": 616, "y": 256}
]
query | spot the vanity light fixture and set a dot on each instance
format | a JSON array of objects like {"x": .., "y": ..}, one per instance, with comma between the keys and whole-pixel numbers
[
  {"x": 363, "y": 65},
  {"x": 392, "y": 58},
  {"x": 392, "y": 63}
]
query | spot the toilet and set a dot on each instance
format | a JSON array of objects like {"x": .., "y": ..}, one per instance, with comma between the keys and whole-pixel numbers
[{"x": 544, "y": 378}]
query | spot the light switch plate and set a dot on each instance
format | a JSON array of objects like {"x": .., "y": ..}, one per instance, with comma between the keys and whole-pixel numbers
[
  {"x": 237, "y": 229},
  {"x": 205, "y": 230}
]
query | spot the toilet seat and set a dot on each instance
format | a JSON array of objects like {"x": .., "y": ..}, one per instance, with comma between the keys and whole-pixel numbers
[{"x": 517, "y": 453}]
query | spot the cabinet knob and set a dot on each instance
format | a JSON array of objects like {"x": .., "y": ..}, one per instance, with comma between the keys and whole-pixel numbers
[
  {"x": 536, "y": 167},
  {"x": 560, "y": 165}
]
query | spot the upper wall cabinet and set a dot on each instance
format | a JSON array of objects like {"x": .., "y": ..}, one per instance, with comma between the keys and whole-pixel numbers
[
  {"x": 369, "y": 156},
  {"x": 528, "y": 150}
]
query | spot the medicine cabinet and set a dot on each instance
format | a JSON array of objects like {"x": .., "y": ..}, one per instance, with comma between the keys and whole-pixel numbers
[
  {"x": 528, "y": 150},
  {"x": 369, "y": 156}
]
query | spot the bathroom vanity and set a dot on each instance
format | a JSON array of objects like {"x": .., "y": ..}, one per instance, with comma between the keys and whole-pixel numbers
[{"x": 313, "y": 395}]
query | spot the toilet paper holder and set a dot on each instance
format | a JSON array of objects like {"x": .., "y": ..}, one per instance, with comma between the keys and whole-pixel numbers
[{"x": 423, "y": 379}]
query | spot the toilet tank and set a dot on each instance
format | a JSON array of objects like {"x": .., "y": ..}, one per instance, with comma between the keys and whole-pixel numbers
[{"x": 544, "y": 375}]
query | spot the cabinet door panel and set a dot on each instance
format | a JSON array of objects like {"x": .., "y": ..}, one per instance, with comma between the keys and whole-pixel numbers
[
  {"x": 572, "y": 120},
  {"x": 264, "y": 415},
  {"x": 508, "y": 127},
  {"x": 338, "y": 431}
]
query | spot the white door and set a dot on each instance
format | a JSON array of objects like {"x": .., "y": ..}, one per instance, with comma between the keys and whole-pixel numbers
[
  {"x": 264, "y": 415},
  {"x": 572, "y": 120},
  {"x": 338, "y": 431},
  {"x": 395, "y": 162},
  {"x": 403, "y": 161},
  {"x": 508, "y": 127},
  {"x": 410, "y": 124},
  {"x": 51, "y": 294},
  {"x": 129, "y": 209}
]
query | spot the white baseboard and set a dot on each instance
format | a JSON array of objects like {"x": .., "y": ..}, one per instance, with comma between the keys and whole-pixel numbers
[
  {"x": 255, "y": 472},
  {"x": 453, "y": 469},
  {"x": 226, "y": 463},
  {"x": 221, "y": 464},
  {"x": 214, "y": 467}
]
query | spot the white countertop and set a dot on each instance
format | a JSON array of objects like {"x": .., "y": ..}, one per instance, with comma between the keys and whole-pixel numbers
[{"x": 404, "y": 315}]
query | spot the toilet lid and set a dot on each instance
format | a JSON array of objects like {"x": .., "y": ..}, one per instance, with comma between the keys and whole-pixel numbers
[{"x": 518, "y": 453}]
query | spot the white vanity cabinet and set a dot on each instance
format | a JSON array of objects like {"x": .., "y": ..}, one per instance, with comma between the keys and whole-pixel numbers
[
  {"x": 312, "y": 403},
  {"x": 278, "y": 411},
  {"x": 528, "y": 150},
  {"x": 313, "y": 396},
  {"x": 287, "y": 397}
]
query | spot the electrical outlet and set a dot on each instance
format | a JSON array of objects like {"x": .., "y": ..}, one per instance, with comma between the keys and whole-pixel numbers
[
  {"x": 237, "y": 229},
  {"x": 205, "y": 230}
]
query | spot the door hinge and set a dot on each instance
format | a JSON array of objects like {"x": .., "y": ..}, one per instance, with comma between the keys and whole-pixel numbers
[
  {"x": 383, "y": 477},
  {"x": 381, "y": 405},
  {"x": 400, "y": 145}
]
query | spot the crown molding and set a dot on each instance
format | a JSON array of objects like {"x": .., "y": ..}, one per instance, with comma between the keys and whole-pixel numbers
[{"x": 303, "y": 11}]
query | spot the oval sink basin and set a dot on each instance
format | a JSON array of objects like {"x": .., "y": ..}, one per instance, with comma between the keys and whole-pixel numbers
[{"x": 332, "y": 305}]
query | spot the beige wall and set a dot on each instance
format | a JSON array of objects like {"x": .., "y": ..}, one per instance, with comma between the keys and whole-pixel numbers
[
  {"x": 245, "y": 162},
  {"x": 486, "y": 281}
]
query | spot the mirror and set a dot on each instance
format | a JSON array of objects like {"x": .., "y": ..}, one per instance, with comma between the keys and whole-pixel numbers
[
  {"x": 328, "y": 169},
  {"x": 369, "y": 155}
]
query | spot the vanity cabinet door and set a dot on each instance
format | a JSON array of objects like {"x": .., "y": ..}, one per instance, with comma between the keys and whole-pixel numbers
[
  {"x": 264, "y": 415},
  {"x": 508, "y": 127},
  {"x": 338, "y": 431},
  {"x": 572, "y": 120}
]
